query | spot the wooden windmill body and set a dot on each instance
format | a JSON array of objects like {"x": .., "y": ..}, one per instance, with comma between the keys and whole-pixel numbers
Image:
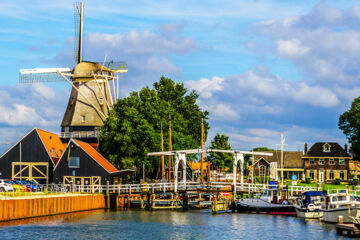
[{"x": 92, "y": 95}]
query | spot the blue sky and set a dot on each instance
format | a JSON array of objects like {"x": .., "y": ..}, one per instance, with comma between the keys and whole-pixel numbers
[{"x": 261, "y": 67}]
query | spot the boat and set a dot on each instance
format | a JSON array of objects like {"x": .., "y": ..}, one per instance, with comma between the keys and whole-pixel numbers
[
  {"x": 310, "y": 204},
  {"x": 340, "y": 204},
  {"x": 271, "y": 201}
]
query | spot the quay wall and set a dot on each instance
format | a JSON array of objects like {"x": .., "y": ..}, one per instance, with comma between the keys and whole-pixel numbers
[{"x": 36, "y": 207}]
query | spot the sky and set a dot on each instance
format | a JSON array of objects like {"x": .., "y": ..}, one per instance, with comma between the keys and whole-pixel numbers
[{"x": 261, "y": 68}]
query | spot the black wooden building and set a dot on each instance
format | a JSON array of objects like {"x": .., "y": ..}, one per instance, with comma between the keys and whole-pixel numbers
[
  {"x": 83, "y": 165},
  {"x": 33, "y": 157}
]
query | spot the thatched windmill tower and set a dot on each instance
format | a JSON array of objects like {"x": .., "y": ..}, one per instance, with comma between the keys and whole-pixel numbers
[{"x": 91, "y": 96}]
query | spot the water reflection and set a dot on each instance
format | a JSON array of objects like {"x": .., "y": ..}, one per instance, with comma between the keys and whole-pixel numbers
[{"x": 138, "y": 224}]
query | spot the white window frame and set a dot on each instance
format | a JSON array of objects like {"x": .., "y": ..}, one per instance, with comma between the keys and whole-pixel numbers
[
  {"x": 312, "y": 172},
  {"x": 331, "y": 161},
  {"x": 326, "y": 147},
  {"x": 321, "y": 162},
  {"x": 333, "y": 175},
  {"x": 343, "y": 161},
  {"x": 311, "y": 161},
  {"x": 262, "y": 171},
  {"x": 343, "y": 173}
]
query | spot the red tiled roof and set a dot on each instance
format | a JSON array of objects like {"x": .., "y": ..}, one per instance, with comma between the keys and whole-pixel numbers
[
  {"x": 52, "y": 143},
  {"x": 96, "y": 156}
]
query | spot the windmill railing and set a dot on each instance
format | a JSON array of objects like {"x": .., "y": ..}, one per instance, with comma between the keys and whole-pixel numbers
[{"x": 84, "y": 134}]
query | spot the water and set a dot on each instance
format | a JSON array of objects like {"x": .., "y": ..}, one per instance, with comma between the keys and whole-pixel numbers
[{"x": 137, "y": 224}]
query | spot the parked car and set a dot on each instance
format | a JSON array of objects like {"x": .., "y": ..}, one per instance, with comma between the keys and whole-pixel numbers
[
  {"x": 17, "y": 187},
  {"x": 5, "y": 186},
  {"x": 34, "y": 186},
  {"x": 21, "y": 183}
]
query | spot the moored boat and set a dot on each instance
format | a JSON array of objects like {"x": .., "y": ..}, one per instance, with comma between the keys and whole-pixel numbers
[
  {"x": 271, "y": 201},
  {"x": 310, "y": 204},
  {"x": 340, "y": 204}
]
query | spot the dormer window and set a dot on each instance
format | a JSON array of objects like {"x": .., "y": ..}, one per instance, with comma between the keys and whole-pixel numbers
[{"x": 326, "y": 147}]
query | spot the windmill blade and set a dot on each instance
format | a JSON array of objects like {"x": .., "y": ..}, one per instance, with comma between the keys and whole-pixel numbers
[
  {"x": 117, "y": 67},
  {"x": 78, "y": 20},
  {"x": 37, "y": 75}
]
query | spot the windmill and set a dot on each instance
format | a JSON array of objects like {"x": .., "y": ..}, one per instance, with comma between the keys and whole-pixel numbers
[{"x": 91, "y": 97}]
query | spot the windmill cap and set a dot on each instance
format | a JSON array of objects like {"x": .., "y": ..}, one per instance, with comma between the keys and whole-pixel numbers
[{"x": 86, "y": 69}]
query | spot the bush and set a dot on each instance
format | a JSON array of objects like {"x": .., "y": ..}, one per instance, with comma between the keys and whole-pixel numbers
[
  {"x": 259, "y": 179},
  {"x": 308, "y": 180},
  {"x": 337, "y": 181},
  {"x": 356, "y": 181}
]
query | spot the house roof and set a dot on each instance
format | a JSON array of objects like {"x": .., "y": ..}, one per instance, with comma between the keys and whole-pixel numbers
[
  {"x": 52, "y": 143},
  {"x": 336, "y": 150},
  {"x": 291, "y": 159},
  {"x": 96, "y": 156}
]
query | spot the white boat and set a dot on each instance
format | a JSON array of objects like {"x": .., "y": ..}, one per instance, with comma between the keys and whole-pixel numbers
[
  {"x": 309, "y": 205},
  {"x": 340, "y": 204}
]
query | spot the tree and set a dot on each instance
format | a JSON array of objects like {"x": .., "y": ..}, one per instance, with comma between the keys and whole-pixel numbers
[
  {"x": 349, "y": 123},
  {"x": 133, "y": 126},
  {"x": 263, "y": 149},
  {"x": 221, "y": 160}
]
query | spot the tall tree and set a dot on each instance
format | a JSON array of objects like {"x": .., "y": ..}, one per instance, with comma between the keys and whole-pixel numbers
[
  {"x": 222, "y": 160},
  {"x": 133, "y": 126},
  {"x": 349, "y": 123}
]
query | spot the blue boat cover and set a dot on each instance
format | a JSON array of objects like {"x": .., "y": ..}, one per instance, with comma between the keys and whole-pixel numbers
[{"x": 309, "y": 194}]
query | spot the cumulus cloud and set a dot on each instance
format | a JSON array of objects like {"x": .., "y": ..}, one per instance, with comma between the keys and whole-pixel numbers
[
  {"x": 147, "y": 53},
  {"x": 324, "y": 44},
  {"x": 24, "y": 107},
  {"x": 206, "y": 86},
  {"x": 18, "y": 114}
]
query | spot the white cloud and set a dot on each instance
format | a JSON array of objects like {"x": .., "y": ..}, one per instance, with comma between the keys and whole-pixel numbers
[
  {"x": 291, "y": 48},
  {"x": 224, "y": 112},
  {"x": 18, "y": 114},
  {"x": 205, "y": 86},
  {"x": 324, "y": 44}
]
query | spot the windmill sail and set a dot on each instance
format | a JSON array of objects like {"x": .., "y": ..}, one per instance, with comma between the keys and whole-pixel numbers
[
  {"x": 78, "y": 19},
  {"x": 37, "y": 75}
]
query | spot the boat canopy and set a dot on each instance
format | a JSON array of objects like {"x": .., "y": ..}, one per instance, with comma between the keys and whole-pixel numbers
[{"x": 310, "y": 194}]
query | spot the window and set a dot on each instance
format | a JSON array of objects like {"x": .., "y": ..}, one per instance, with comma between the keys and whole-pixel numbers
[
  {"x": 101, "y": 100},
  {"x": 331, "y": 161},
  {"x": 331, "y": 175},
  {"x": 326, "y": 147},
  {"x": 342, "y": 175},
  {"x": 321, "y": 162},
  {"x": 262, "y": 170},
  {"x": 341, "y": 162},
  {"x": 54, "y": 151},
  {"x": 83, "y": 118},
  {"x": 74, "y": 162},
  {"x": 311, "y": 161},
  {"x": 312, "y": 174}
]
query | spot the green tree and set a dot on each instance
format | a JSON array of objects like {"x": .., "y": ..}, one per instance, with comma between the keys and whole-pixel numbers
[
  {"x": 263, "y": 149},
  {"x": 349, "y": 123},
  {"x": 222, "y": 160},
  {"x": 133, "y": 126}
]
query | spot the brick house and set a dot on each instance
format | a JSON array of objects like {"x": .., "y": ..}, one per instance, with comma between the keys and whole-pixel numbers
[{"x": 326, "y": 161}]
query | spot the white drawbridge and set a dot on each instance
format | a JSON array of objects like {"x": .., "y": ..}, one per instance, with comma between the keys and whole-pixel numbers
[{"x": 180, "y": 157}]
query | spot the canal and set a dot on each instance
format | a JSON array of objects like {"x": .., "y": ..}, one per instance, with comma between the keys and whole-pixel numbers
[{"x": 137, "y": 224}]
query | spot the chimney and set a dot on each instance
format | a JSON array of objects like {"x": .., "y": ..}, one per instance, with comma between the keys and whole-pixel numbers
[
  {"x": 345, "y": 147},
  {"x": 305, "y": 148}
]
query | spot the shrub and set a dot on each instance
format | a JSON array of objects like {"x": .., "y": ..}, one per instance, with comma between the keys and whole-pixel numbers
[
  {"x": 356, "y": 181},
  {"x": 259, "y": 179},
  {"x": 308, "y": 180},
  {"x": 337, "y": 181}
]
